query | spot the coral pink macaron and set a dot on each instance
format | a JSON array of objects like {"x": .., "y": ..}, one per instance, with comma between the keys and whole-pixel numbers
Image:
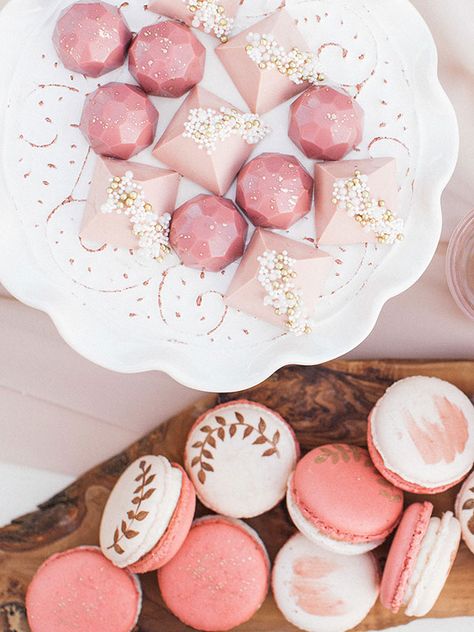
[
  {"x": 421, "y": 435},
  {"x": 420, "y": 560},
  {"x": 321, "y": 591},
  {"x": 465, "y": 511},
  {"x": 239, "y": 457},
  {"x": 339, "y": 501},
  {"x": 148, "y": 515},
  {"x": 220, "y": 576},
  {"x": 81, "y": 590}
]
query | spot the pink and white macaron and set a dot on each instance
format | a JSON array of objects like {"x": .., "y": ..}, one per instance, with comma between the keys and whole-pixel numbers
[
  {"x": 321, "y": 591},
  {"x": 148, "y": 515},
  {"x": 420, "y": 560},
  {"x": 220, "y": 576},
  {"x": 239, "y": 457},
  {"x": 339, "y": 501},
  {"x": 421, "y": 435},
  {"x": 465, "y": 511},
  {"x": 83, "y": 591}
]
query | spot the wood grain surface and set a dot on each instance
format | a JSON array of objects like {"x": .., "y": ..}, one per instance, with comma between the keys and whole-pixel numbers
[{"x": 323, "y": 404}]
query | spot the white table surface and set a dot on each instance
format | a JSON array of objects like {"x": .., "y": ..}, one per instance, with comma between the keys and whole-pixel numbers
[{"x": 61, "y": 415}]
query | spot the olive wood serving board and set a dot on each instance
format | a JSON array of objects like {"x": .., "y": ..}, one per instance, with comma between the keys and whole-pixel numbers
[{"x": 323, "y": 404}]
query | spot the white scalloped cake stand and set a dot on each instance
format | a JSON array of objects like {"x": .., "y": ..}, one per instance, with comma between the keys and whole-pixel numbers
[{"x": 132, "y": 317}]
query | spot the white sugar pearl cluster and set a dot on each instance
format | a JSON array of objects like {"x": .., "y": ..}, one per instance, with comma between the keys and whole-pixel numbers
[
  {"x": 125, "y": 196},
  {"x": 353, "y": 196},
  {"x": 208, "y": 126},
  {"x": 300, "y": 66},
  {"x": 277, "y": 276},
  {"x": 210, "y": 16}
]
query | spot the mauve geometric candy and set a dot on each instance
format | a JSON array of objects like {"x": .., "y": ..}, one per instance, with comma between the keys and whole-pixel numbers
[
  {"x": 119, "y": 120},
  {"x": 166, "y": 59},
  {"x": 92, "y": 38},
  {"x": 274, "y": 190},
  {"x": 326, "y": 124},
  {"x": 208, "y": 233}
]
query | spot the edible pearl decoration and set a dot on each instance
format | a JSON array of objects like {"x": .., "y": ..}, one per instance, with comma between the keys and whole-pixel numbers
[
  {"x": 277, "y": 276},
  {"x": 210, "y": 16},
  {"x": 299, "y": 66},
  {"x": 208, "y": 126},
  {"x": 354, "y": 197},
  {"x": 124, "y": 195}
]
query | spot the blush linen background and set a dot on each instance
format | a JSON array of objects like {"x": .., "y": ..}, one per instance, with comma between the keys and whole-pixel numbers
[{"x": 53, "y": 402}]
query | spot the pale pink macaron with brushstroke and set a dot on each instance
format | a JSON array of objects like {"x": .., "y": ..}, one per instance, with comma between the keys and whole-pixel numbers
[
  {"x": 464, "y": 510},
  {"x": 147, "y": 515},
  {"x": 81, "y": 590},
  {"x": 239, "y": 457},
  {"x": 220, "y": 576},
  {"x": 321, "y": 591},
  {"x": 420, "y": 559},
  {"x": 421, "y": 435},
  {"x": 339, "y": 501}
]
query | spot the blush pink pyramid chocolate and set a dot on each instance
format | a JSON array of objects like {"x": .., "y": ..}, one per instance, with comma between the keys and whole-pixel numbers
[
  {"x": 264, "y": 83},
  {"x": 166, "y": 59},
  {"x": 92, "y": 38},
  {"x": 357, "y": 201},
  {"x": 119, "y": 120},
  {"x": 159, "y": 188},
  {"x": 208, "y": 233},
  {"x": 279, "y": 280},
  {"x": 211, "y": 16},
  {"x": 208, "y": 140},
  {"x": 326, "y": 124},
  {"x": 274, "y": 190}
]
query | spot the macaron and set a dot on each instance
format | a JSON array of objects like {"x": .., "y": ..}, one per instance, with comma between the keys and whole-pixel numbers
[
  {"x": 339, "y": 501},
  {"x": 239, "y": 457},
  {"x": 220, "y": 576},
  {"x": 81, "y": 590},
  {"x": 465, "y": 511},
  {"x": 321, "y": 591},
  {"x": 421, "y": 435},
  {"x": 148, "y": 515},
  {"x": 419, "y": 560}
]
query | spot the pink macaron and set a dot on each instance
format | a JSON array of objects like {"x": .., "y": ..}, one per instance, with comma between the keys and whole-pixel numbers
[
  {"x": 220, "y": 576},
  {"x": 81, "y": 590},
  {"x": 239, "y": 457},
  {"x": 339, "y": 501},
  {"x": 148, "y": 515},
  {"x": 420, "y": 560},
  {"x": 465, "y": 511},
  {"x": 321, "y": 591},
  {"x": 421, "y": 435}
]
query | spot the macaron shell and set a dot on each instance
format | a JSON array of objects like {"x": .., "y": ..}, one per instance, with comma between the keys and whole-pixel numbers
[
  {"x": 339, "y": 491},
  {"x": 82, "y": 590},
  {"x": 176, "y": 533},
  {"x": 239, "y": 457},
  {"x": 320, "y": 591},
  {"x": 465, "y": 511},
  {"x": 219, "y": 578},
  {"x": 421, "y": 433},
  {"x": 403, "y": 554}
]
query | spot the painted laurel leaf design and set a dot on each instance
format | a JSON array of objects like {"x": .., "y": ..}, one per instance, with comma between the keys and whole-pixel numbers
[
  {"x": 205, "y": 455},
  {"x": 136, "y": 514},
  {"x": 336, "y": 453}
]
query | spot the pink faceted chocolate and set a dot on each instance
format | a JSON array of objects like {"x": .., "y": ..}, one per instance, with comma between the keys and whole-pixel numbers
[
  {"x": 92, "y": 38},
  {"x": 208, "y": 233},
  {"x": 119, "y": 120},
  {"x": 166, "y": 59},
  {"x": 326, "y": 124},
  {"x": 274, "y": 190}
]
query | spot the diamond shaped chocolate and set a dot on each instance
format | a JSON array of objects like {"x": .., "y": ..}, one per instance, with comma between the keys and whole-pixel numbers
[
  {"x": 166, "y": 59},
  {"x": 104, "y": 223},
  {"x": 279, "y": 280},
  {"x": 208, "y": 140},
  {"x": 269, "y": 62},
  {"x": 357, "y": 202}
]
